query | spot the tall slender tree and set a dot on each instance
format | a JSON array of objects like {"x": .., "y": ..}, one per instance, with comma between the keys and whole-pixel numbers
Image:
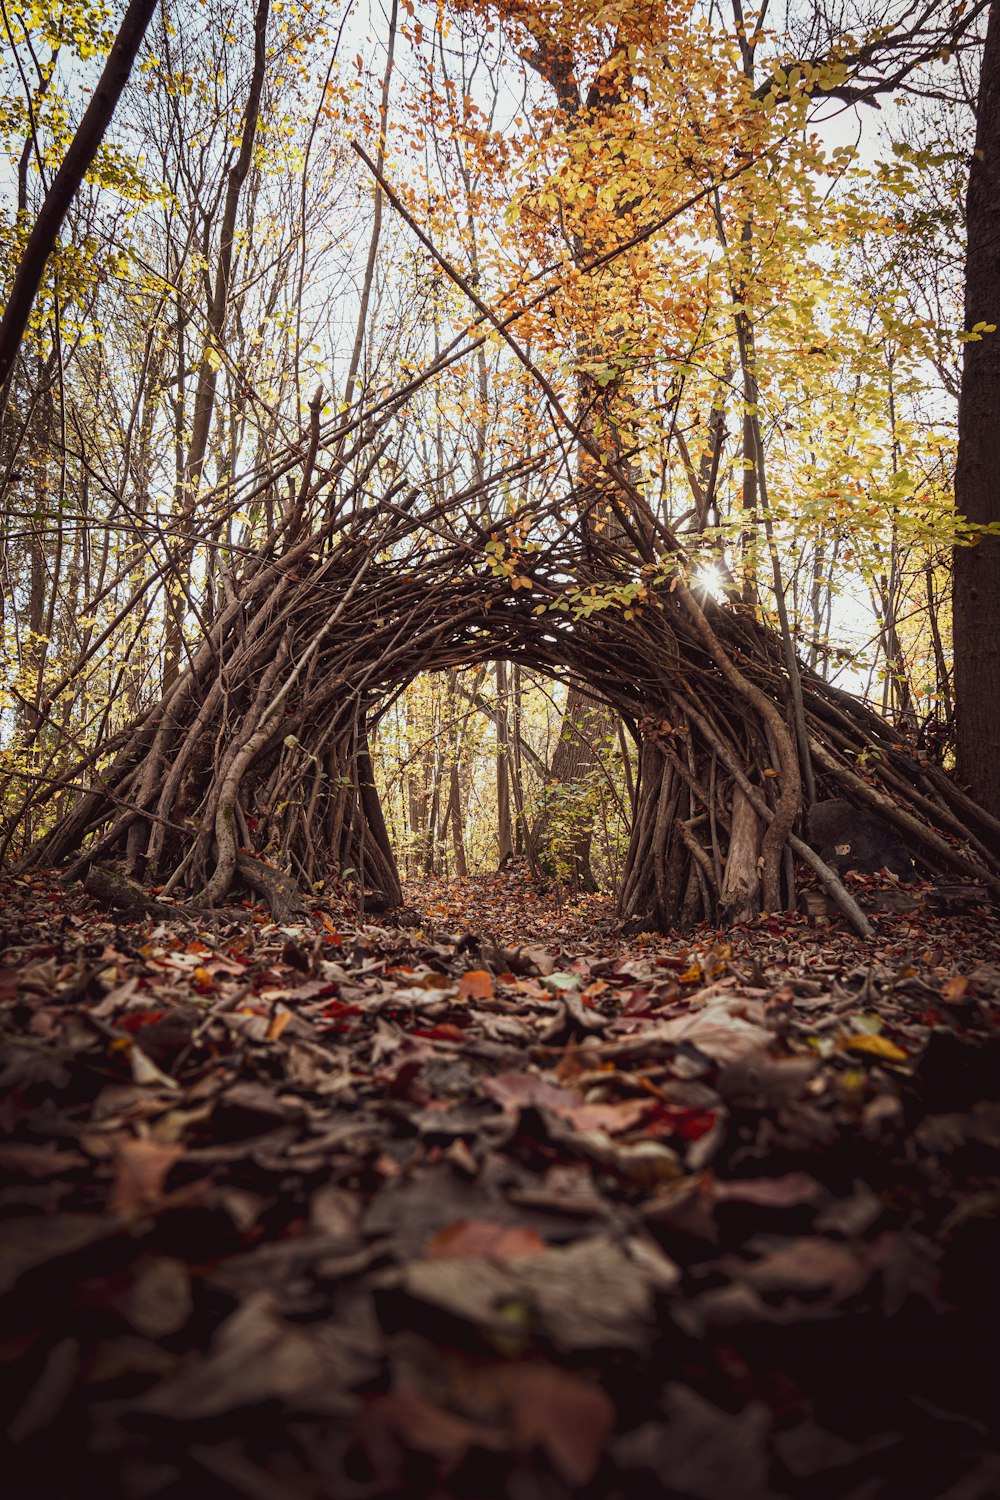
[{"x": 977, "y": 479}]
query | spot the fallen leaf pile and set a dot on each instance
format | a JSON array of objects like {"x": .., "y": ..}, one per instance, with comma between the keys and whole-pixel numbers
[{"x": 348, "y": 1210}]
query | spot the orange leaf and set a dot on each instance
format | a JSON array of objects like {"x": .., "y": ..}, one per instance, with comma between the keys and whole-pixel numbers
[
  {"x": 279, "y": 1021},
  {"x": 476, "y": 1237},
  {"x": 477, "y": 984}
]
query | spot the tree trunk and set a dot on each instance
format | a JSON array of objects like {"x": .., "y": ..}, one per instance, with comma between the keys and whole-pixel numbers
[
  {"x": 741, "y": 886},
  {"x": 208, "y": 369},
  {"x": 82, "y": 150},
  {"x": 505, "y": 842},
  {"x": 976, "y": 606},
  {"x": 565, "y": 834}
]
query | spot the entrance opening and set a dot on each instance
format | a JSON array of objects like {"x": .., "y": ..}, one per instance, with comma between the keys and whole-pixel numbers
[{"x": 508, "y": 797}]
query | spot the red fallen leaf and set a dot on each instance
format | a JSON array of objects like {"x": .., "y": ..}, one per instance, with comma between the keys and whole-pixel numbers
[
  {"x": 402, "y": 1082},
  {"x": 141, "y": 1169},
  {"x": 694, "y": 1123},
  {"x": 335, "y": 1009},
  {"x": 477, "y": 984},
  {"x": 137, "y": 1019},
  {"x": 478, "y": 1237},
  {"x": 443, "y": 1032},
  {"x": 689, "y": 1124}
]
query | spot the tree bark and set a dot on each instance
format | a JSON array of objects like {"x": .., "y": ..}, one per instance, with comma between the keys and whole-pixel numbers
[
  {"x": 976, "y": 606},
  {"x": 565, "y": 833},
  {"x": 741, "y": 886},
  {"x": 505, "y": 840}
]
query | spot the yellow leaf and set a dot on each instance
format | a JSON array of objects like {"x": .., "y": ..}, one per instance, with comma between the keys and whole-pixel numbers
[
  {"x": 876, "y": 1046},
  {"x": 692, "y": 975}
]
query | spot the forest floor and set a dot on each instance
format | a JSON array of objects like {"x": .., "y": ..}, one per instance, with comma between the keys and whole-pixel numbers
[{"x": 496, "y": 1203}]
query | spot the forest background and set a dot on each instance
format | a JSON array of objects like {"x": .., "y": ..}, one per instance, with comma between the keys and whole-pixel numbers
[{"x": 772, "y": 350}]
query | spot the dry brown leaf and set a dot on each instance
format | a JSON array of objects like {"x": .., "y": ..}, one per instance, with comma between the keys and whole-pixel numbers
[{"x": 141, "y": 1169}]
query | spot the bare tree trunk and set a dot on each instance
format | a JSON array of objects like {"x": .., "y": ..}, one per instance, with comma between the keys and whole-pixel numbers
[
  {"x": 456, "y": 812},
  {"x": 208, "y": 368},
  {"x": 82, "y": 150},
  {"x": 942, "y": 675},
  {"x": 741, "y": 885},
  {"x": 505, "y": 843},
  {"x": 418, "y": 801},
  {"x": 565, "y": 831},
  {"x": 976, "y": 602},
  {"x": 376, "y": 230}
]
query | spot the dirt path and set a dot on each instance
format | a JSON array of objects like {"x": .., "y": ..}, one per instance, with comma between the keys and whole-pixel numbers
[{"x": 496, "y": 1205}]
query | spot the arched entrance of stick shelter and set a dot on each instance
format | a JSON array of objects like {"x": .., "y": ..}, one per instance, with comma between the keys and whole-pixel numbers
[{"x": 495, "y": 765}]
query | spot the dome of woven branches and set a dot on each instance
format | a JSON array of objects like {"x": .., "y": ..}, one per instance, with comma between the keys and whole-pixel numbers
[{"x": 254, "y": 768}]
